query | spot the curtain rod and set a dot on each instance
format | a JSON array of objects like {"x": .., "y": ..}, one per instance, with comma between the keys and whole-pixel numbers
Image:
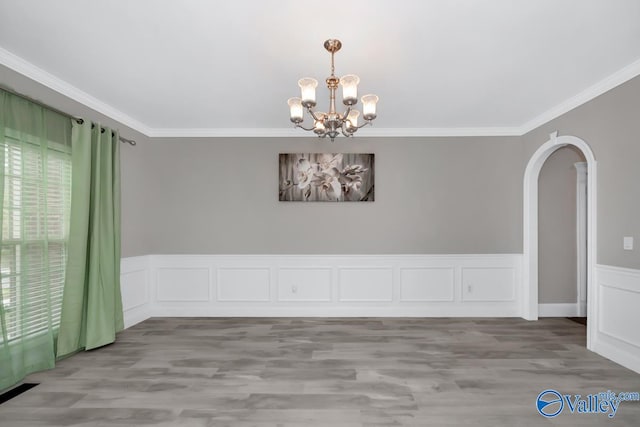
[{"x": 79, "y": 120}]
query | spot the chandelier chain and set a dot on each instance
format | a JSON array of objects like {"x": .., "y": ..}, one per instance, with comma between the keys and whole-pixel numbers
[{"x": 333, "y": 68}]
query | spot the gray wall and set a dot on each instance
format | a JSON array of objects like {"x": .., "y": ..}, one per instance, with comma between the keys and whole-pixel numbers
[
  {"x": 135, "y": 179},
  {"x": 557, "y": 248},
  {"x": 610, "y": 124},
  {"x": 437, "y": 195}
]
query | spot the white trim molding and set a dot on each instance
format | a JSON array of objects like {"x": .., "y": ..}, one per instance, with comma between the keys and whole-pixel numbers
[
  {"x": 558, "y": 310},
  {"x": 321, "y": 285},
  {"x": 616, "y": 79},
  {"x": 617, "y": 336},
  {"x": 372, "y": 132},
  {"x": 581, "y": 237},
  {"x": 530, "y": 228}
]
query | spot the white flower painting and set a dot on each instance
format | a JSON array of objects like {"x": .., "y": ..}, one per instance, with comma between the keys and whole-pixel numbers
[{"x": 324, "y": 177}]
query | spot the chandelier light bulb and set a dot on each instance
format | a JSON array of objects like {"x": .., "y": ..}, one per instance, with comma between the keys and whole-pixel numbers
[
  {"x": 352, "y": 120},
  {"x": 349, "y": 89},
  {"x": 318, "y": 125},
  {"x": 308, "y": 91},
  {"x": 295, "y": 107},
  {"x": 369, "y": 106}
]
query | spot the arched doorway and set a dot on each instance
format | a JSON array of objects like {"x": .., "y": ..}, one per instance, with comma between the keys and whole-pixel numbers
[{"x": 530, "y": 227}]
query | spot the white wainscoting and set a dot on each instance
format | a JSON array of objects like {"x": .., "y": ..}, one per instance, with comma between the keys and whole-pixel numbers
[
  {"x": 304, "y": 284},
  {"x": 488, "y": 284},
  {"x": 170, "y": 284},
  {"x": 617, "y": 334},
  {"x": 365, "y": 284},
  {"x": 247, "y": 284},
  {"x": 135, "y": 289},
  {"x": 321, "y": 285}
]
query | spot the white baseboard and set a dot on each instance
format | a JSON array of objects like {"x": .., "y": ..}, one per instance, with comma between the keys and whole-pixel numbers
[
  {"x": 558, "y": 310},
  {"x": 332, "y": 311},
  {"x": 617, "y": 335},
  {"x": 619, "y": 352}
]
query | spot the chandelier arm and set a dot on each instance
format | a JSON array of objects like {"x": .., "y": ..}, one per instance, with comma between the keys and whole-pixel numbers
[
  {"x": 346, "y": 113},
  {"x": 302, "y": 127},
  {"x": 344, "y": 130},
  {"x": 368, "y": 122},
  {"x": 310, "y": 111}
]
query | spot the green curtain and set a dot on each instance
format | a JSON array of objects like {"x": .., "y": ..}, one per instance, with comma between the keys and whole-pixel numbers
[
  {"x": 34, "y": 167},
  {"x": 92, "y": 304}
]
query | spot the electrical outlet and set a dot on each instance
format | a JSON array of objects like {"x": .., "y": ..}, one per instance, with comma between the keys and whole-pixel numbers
[{"x": 627, "y": 243}]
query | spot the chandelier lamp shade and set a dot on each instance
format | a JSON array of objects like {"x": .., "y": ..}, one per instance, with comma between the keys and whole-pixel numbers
[{"x": 332, "y": 123}]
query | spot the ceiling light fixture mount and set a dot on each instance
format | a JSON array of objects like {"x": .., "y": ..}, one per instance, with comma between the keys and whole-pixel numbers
[{"x": 332, "y": 123}]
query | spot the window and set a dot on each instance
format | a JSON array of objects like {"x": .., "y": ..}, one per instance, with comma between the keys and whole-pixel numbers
[{"x": 35, "y": 225}]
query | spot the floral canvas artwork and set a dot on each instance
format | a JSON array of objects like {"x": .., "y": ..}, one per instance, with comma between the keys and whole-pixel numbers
[{"x": 324, "y": 177}]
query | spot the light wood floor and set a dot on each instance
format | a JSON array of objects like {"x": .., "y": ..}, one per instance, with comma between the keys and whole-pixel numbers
[{"x": 326, "y": 372}]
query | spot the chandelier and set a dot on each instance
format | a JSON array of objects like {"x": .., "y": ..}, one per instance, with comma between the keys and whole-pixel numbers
[{"x": 332, "y": 123}]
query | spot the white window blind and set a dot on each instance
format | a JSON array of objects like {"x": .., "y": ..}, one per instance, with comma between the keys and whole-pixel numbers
[{"x": 35, "y": 228}]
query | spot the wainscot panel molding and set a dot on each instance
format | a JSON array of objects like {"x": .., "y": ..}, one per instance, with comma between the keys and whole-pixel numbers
[
  {"x": 617, "y": 335},
  {"x": 304, "y": 284},
  {"x": 321, "y": 285},
  {"x": 365, "y": 284},
  {"x": 243, "y": 284},
  {"x": 428, "y": 284},
  {"x": 169, "y": 284},
  {"x": 135, "y": 289},
  {"x": 488, "y": 284}
]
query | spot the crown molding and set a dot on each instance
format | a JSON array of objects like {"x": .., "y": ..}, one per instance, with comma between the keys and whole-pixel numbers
[
  {"x": 616, "y": 79},
  {"x": 443, "y": 132},
  {"x": 225, "y": 133},
  {"x": 50, "y": 81},
  {"x": 41, "y": 76},
  {"x": 296, "y": 133}
]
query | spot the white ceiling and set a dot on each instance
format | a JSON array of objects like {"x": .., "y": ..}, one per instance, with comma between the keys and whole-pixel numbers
[{"x": 179, "y": 68}]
